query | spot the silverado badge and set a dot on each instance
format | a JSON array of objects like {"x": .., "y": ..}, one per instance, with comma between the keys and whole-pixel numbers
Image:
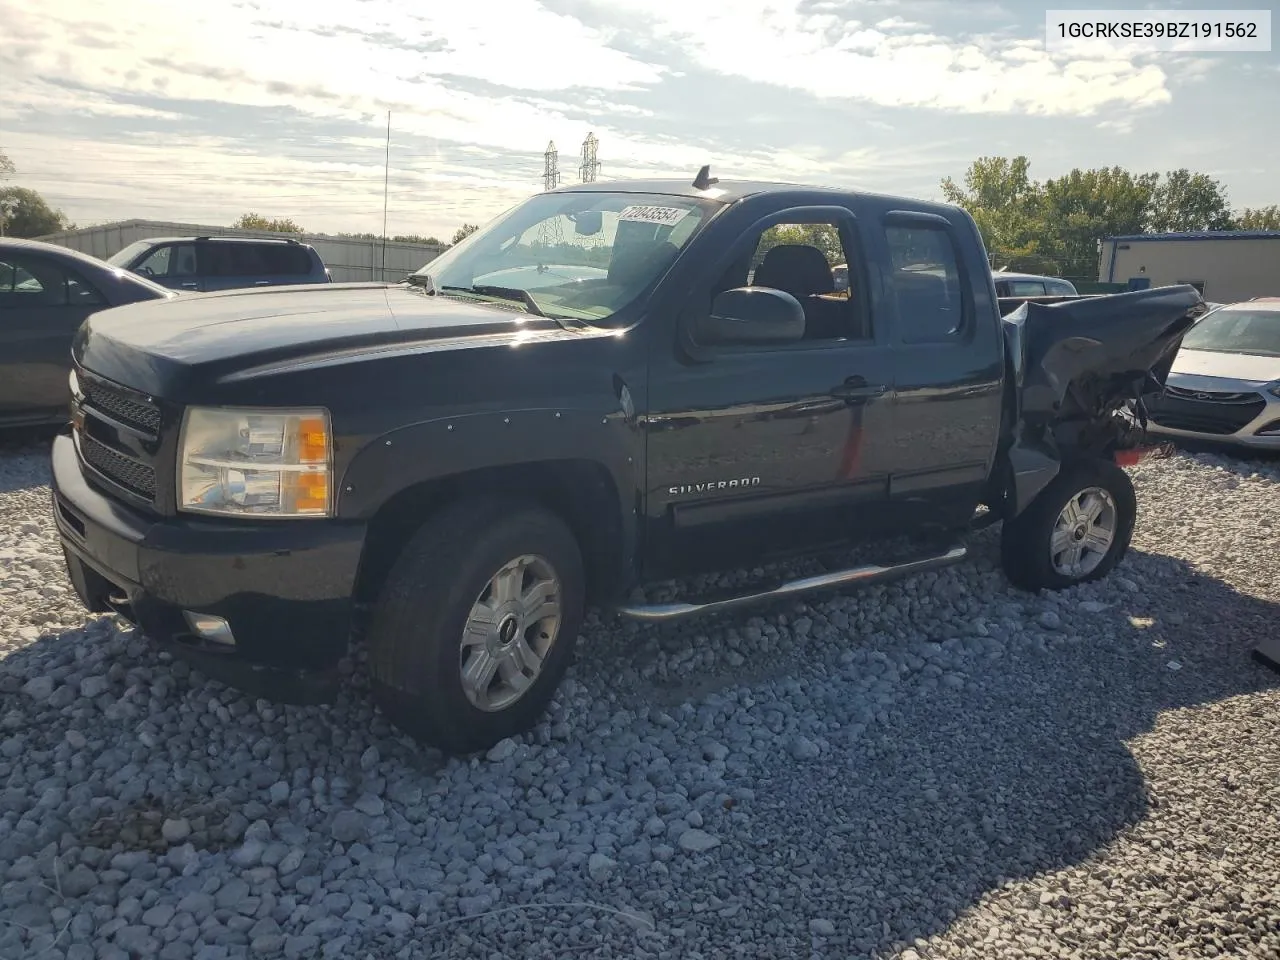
[{"x": 712, "y": 486}]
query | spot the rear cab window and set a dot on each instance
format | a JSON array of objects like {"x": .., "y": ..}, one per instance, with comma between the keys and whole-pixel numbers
[
  {"x": 1026, "y": 288},
  {"x": 924, "y": 282}
]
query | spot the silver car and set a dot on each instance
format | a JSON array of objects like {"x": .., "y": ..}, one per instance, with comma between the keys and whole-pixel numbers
[{"x": 1225, "y": 383}]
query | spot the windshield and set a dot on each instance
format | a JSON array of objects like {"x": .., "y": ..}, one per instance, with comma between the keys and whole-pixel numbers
[
  {"x": 122, "y": 257},
  {"x": 1255, "y": 332},
  {"x": 580, "y": 255}
]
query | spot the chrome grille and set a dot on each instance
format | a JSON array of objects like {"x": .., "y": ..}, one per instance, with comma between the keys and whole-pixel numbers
[
  {"x": 1211, "y": 396},
  {"x": 1205, "y": 411},
  {"x": 132, "y": 412},
  {"x": 137, "y": 478}
]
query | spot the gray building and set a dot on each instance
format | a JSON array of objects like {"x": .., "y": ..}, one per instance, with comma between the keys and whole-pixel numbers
[
  {"x": 348, "y": 259},
  {"x": 1226, "y": 266}
]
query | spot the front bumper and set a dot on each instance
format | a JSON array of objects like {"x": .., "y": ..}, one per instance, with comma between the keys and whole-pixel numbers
[
  {"x": 1199, "y": 413},
  {"x": 284, "y": 588},
  {"x": 1240, "y": 438}
]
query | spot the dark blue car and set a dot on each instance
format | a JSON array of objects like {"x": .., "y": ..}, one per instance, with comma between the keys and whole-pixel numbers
[
  {"x": 222, "y": 263},
  {"x": 46, "y": 292}
]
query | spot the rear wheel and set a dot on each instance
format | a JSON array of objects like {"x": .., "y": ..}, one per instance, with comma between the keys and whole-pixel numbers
[
  {"x": 1075, "y": 531},
  {"x": 476, "y": 624}
]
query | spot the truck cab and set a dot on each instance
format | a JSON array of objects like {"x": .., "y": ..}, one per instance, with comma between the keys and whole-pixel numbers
[{"x": 610, "y": 385}]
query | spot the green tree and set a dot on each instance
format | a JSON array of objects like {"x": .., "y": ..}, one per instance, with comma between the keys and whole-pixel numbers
[
  {"x": 1054, "y": 227},
  {"x": 1259, "y": 218},
  {"x": 1188, "y": 201},
  {"x": 1084, "y": 205},
  {"x": 465, "y": 231},
  {"x": 1006, "y": 205},
  {"x": 418, "y": 238},
  {"x": 398, "y": 238},
  {"x": 26, "y": 214},
  {"x": 254, "y": 221},
  {"x": 7, "y": 169},
  {"x": 821, "y": 235}
]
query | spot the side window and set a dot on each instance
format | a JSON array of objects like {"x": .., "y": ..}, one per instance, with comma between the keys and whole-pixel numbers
[
  {"x": 810, "y": 262},
  {"x": 170, "y": 260},
  {"x": 248, "y": 260},
  {"x": 1026, "y": 288},
  {"x": 1059, "y": 289},
  {"x": 924, "y": 279},
  {"x": 217, "y": 260},
  {"x": 15, "y": 278},
  {"x": 182, "y": 263},
  {"x": 31, "y": 282},
  {"x": 286, "y": 260},
  {"x": 81, "y": 293},
  {"x": 156, "y": 264}
]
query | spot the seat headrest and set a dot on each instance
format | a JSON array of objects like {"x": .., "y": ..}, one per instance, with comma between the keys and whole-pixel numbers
[{"x": 798, "y": 269}]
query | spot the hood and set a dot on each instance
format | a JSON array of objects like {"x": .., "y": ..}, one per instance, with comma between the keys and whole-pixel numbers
[
  {"x": 1250, "y": 368},
  {"x": 149, "y": 344},
  {"x": 1087, "y": 357}
]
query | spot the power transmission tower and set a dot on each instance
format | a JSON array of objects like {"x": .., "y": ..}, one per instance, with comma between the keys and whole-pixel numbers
[
  {"x": 590, "y": 164},
  {"x": 549, "y": 233},
  {"x": 551, "y": 167}
]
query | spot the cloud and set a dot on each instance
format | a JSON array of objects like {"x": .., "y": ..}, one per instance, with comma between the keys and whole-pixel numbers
[
  {"x": 280, "y": 104},
  {"x": 899, "y": 23},
  {"x": 829, "y": 55},
  {"x": 1122, "y": 125}
]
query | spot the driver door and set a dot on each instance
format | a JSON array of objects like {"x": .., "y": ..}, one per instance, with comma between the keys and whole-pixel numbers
[{"x": 757, "y": 450}]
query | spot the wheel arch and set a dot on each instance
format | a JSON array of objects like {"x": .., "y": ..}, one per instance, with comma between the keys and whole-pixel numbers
[{"x": 581, "y": 492}]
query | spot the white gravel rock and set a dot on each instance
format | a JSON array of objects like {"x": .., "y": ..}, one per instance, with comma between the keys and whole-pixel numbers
[
  {"x": 785, "y": 780},
  {"x": 697, "y": 841}
]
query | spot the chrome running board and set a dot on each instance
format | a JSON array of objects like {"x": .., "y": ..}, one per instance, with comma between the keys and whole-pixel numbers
[{"x": 869, "y": 573}]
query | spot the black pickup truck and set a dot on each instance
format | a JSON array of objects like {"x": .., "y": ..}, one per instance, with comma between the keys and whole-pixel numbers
[{"x": 611, "y": 384}]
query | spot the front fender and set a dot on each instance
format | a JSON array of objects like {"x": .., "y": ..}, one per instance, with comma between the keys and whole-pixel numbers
[{"x": 446, "y": 447}]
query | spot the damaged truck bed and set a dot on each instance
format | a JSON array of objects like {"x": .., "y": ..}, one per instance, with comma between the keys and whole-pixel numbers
[{"x": 612, "y": 385}]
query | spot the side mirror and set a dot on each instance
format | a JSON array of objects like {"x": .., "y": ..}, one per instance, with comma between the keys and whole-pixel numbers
[{"x": 752, "y": 315}]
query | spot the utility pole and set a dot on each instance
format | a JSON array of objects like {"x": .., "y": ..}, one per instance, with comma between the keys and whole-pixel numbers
[{"x": 386, "y": 184}]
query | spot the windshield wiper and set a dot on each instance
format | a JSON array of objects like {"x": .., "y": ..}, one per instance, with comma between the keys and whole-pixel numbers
[{"x": 504, "y": 293}]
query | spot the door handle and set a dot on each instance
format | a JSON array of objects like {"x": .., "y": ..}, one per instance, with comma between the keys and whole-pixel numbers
[
  {"x": 189, "y": 286},
  {"x": 262, "y": 283},
  {"x": 857, "y": 388}
]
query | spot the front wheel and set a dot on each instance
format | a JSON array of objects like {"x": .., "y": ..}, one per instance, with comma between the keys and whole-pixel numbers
[
  {"x": 476, "y": 624},
  {"x": 1075, "y": 531}
]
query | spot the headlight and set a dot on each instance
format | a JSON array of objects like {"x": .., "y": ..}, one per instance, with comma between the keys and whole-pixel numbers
[{"x": 259, "y": 463}]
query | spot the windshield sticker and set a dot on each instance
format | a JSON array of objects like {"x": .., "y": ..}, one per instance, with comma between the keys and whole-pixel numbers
[{"x": 667, "y": 216}]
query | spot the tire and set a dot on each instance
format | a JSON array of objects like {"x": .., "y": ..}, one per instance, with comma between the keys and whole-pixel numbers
[
  {"x": 415, "y": 638},
  {"x": 1027, "y": 544}
]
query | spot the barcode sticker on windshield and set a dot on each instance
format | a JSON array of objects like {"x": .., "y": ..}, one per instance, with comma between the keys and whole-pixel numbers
[{"x": 667, "y": 216}]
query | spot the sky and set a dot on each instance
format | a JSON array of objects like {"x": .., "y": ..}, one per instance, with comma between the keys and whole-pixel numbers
[{"x": 199, "y": 113}]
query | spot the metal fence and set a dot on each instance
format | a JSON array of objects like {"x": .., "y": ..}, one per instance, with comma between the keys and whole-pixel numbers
[{"x": 347, "y": 258}]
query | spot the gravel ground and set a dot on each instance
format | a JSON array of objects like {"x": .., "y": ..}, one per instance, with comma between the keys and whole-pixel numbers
[{"x": 943, "y": 767}]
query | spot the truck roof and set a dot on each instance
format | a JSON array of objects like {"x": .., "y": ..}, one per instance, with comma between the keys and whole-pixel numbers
[
  {"x": 726, "y": 191},
  {"x": 224, "y": 239},
  {"x": 1010, "y": 275}
]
